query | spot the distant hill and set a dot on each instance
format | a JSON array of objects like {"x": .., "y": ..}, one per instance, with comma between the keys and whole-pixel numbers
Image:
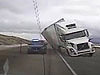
[
  {"x": 9, "y": 40},
  {"x": 95, "y": 40}
]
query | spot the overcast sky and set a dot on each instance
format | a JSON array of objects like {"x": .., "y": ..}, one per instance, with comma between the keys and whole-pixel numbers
[{"x": 18, "y": 15}]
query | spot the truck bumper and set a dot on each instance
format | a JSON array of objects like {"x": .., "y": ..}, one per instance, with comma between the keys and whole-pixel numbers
[{"x": 84, "y": 52}]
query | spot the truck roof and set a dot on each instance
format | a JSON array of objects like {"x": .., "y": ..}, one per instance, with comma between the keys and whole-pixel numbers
[
  {"x": 73, "y": 30},
  {"x": 62, "y": 24}
]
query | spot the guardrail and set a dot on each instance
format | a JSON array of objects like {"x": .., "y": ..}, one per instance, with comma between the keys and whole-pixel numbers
[{"x": 4, "y": 47}]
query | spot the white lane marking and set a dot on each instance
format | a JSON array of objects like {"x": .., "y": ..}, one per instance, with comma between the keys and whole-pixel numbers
[
  {"x": 6, "y": 67},
  {"x": 73, "y": 72}
]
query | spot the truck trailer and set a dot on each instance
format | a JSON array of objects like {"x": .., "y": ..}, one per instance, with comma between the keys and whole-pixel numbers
[{"x": 74, "y": 40}]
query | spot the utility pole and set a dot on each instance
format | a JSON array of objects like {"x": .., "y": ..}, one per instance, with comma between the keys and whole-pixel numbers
[
  {"x": 39, "y": 25},
  {"x": 20, "y": 45},
  {"x": 37, "y": 16}
]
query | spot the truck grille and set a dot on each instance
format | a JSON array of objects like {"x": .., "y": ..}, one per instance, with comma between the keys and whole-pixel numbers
[
  {"x": 36, "y": 48},
  {"x": 82, "y": 46}
]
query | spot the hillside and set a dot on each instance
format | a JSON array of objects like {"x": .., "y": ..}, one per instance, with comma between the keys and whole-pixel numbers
[
  {"x": 95, "y": 40},
  {"x": 9, "y": 40}
]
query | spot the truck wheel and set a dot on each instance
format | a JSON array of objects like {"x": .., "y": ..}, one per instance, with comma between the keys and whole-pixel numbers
[
  {"x": 68, "y": 52},
  {"x": 90, "y": 54},
  {"x": 59, "y": 49}
]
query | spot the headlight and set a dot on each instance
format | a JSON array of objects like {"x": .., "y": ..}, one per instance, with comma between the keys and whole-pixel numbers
[
  {"x": 92, "y": 45},
  {"x": 71, "y": 44},
  {"x": 71, "y": 50}
]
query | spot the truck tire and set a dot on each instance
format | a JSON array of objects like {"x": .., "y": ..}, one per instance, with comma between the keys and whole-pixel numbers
[
  {"x": 68, "y": 52},
  {"x": 90, "y": 54},
  {"x": 59, "y": 49}
]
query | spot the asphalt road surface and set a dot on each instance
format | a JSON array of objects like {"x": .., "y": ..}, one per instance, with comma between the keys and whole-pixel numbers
[
  {"x": 32, "y": 64},
  {"x": 48, "y": 64},
  {"x": 85, "y": 65}
]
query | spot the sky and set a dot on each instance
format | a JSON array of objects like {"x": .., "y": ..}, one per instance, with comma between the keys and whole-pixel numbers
[{"x": 17, "y": 17}]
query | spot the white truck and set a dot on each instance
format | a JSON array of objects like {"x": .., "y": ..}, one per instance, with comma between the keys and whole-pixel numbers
[{"x": 74, "y": 40}]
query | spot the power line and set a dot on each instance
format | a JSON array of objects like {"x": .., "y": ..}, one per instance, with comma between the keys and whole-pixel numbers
[{"x": 37, "y": 16}]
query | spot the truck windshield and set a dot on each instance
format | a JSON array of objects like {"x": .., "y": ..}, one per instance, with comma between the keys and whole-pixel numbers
[
  {"x": 37, "y": 43},
  {"x": 75, "y": 35}
]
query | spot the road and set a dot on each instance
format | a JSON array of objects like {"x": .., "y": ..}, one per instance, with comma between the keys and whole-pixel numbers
[
  {"x": 85, "y": 65},
  {"x": 32, "y": 64},
  {"x": 48, "y": 64}
]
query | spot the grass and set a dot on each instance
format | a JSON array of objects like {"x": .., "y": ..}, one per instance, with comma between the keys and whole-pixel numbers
[{"x": 8, "y": 40}]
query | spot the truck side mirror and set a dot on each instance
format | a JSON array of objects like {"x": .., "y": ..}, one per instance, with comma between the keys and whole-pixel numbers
[
  {"x": 90, "y": 39},
  {"x": 87, "y": 33},
  {"x": 61, "y": 38}
]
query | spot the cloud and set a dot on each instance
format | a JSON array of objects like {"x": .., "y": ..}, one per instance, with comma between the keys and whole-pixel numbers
[{"x": 18, "y": 15}]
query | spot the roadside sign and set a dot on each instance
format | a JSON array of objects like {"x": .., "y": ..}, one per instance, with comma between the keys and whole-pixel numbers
[{"x": 6, "y": 67}]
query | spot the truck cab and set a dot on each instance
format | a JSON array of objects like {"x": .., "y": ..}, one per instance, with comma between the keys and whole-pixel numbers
[
  {"x": 77, "y": 41},
  {"x": 68, "y": 38},
  {"x": 37, "y": 46}
]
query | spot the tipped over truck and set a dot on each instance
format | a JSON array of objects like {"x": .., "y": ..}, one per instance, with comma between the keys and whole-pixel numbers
[{"x": 74, "y": 40}]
